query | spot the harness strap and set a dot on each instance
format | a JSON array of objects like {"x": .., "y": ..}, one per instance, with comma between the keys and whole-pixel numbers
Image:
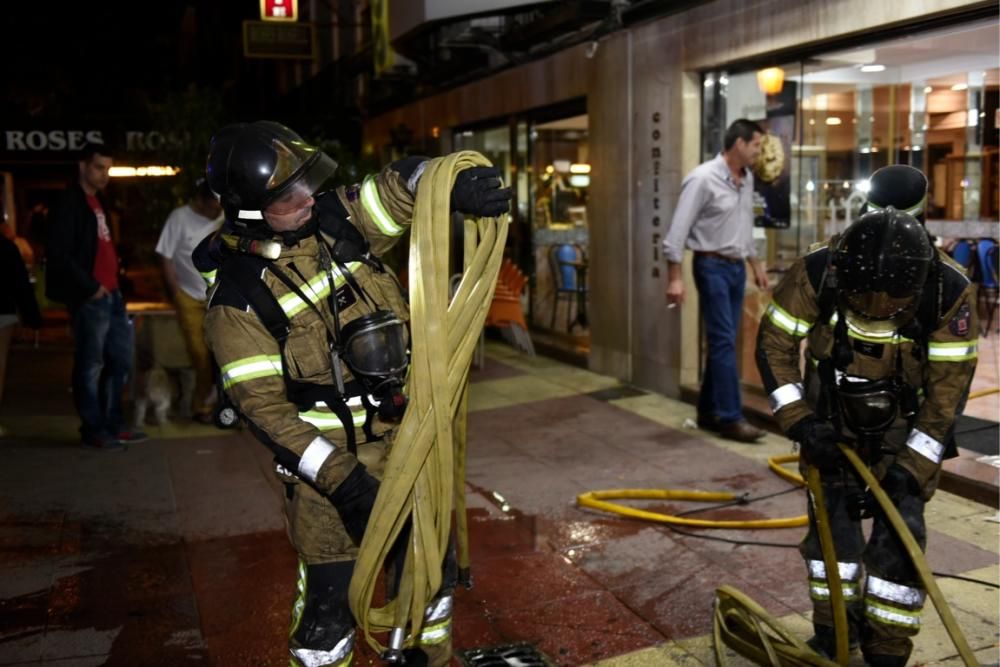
[
  {"x": 306, "y": 395},
  {"x": 244, "y": 275}
]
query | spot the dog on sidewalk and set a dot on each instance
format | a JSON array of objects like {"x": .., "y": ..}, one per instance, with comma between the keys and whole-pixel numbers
[{"x": 158, "y": 390}]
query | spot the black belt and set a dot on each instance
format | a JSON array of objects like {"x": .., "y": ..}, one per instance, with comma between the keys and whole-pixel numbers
[{"x": 703, "y": 253}]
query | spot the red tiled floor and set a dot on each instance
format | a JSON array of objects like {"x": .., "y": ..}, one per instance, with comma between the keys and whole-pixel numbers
[
  {"x": 245, "y": 586},
  {"x": 492, "y": 537},
  {"x": 579, "y": 629},
  {"x": 527, "y": 581}
]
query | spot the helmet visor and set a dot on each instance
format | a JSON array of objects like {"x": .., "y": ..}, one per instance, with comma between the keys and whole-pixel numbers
[{"x": 293, "y": 195}]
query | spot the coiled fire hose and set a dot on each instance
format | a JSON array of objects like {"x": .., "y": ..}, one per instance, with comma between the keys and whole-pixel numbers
[
  {"x": 424, "y": 475},
  {"x": 745, "y": 627}
]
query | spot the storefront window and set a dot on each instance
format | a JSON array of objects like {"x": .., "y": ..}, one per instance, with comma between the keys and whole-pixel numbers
[
  {"x": 493, "y": 142},
  {"x": 546, "y": 162},
  {"x": 560, "y": 186},
  {"x": 928, "y": 100}
]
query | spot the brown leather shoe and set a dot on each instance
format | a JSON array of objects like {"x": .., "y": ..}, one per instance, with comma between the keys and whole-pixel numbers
[{"x": 740, "y": 431}]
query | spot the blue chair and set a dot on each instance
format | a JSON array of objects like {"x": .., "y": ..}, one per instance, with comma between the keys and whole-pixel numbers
[
  {"x": 989, "y": 294},
  {"x": 568, "y": 264},
  {"x": 964, "y": 253},
  {"x": 986, "y": 249}
]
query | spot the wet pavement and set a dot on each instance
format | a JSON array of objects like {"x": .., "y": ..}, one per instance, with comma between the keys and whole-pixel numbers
[{"x": 174, "y": 551}]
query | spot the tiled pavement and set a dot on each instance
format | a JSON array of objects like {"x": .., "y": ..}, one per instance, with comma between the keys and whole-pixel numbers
[{"x": 174, "y": 552}]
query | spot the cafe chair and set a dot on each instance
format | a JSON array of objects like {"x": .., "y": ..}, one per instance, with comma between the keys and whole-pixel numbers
[
  {"x": 568, "y": 264},
  {"x": 505, "y": 310},
  {"x": 964, "y": 254},
  {"x": 989, "y": 293}
]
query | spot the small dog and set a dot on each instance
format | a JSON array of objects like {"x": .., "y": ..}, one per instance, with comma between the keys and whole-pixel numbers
[{"x": 159, "y": 390}]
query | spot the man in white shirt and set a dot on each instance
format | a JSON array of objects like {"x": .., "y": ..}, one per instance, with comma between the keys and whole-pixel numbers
[
  {"x": 714, "y": 218},
  {"x": 186, "y": 226}
]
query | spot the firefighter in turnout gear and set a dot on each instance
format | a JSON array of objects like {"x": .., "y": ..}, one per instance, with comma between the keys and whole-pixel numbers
[
  {"x": 309, "y": 329},
  {"x": 891, "y": 347}
]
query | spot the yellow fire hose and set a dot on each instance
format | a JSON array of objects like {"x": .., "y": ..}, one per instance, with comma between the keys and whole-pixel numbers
[
  {"x": 983, "y": 392},
  {"x": 919, "y": 562},
  {"x": 746, "y": 628},
  {"x": 833, "y": 582},
  {"x": 598, "y": 500},
  {"x": 425, "y": 472}
]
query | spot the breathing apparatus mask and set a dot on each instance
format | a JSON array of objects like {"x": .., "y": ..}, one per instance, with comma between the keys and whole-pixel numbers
[
  {"x": 868, "y": 407},
  {"x": 375, "y": 350}
]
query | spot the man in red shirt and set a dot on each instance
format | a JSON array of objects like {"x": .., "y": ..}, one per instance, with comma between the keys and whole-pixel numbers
[{"x": 82, "y": 272}]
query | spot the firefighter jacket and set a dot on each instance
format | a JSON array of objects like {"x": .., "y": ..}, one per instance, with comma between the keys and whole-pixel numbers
[
  {"x": 937, "y": 359},
  {"x": 309, "y": 440}
]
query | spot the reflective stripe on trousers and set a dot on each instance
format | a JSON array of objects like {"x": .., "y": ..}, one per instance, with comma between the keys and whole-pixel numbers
[{"x": 889, "y": 603}]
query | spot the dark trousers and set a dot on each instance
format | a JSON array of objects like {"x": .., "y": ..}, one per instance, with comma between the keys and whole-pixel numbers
[
  {"x": 720, "y": 286},
  {"x": 102, "y": 360},
  {"x": 884, "y": 609}
]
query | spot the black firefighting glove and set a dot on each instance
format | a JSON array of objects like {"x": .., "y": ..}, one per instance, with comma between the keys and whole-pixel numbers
[
  {"x": 818, "y": 440},
  {"x": 898, "y": 483},
  {"x": 477, "y": 192},
  {"x": 354, "y": 500}
]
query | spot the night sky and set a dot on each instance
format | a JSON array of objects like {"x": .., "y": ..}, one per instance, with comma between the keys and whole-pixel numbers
[{"x": 114, "y": 58}]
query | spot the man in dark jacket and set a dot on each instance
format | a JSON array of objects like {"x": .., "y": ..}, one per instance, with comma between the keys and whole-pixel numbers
[{"x": 83, "y": 273}]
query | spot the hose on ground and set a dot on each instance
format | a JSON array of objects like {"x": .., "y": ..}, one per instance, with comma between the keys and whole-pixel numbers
[{"x": 599, "y": 500}]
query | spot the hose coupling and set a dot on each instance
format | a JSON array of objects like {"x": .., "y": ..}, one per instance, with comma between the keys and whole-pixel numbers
[{"x": 393, "y": 654}]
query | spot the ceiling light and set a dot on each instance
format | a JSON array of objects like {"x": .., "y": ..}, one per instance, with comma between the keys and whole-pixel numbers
[
  {"x": 873, "y": 68},
  {"x": 771, "y": 80},
  {"x": 833, "y": 120},
  {"x": 579, "y": 168},
  {"x": 928, "y": 90},
  {"x": 960, "y": 86}
]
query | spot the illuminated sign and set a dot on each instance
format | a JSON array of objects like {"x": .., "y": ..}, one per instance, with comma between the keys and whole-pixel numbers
[
  {"x": 264, "y": 39},
  {"x": 279, "y": 10}
]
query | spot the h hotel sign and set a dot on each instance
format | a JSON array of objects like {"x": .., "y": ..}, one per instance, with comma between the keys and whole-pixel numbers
[{"x": 279, "y": 10}]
